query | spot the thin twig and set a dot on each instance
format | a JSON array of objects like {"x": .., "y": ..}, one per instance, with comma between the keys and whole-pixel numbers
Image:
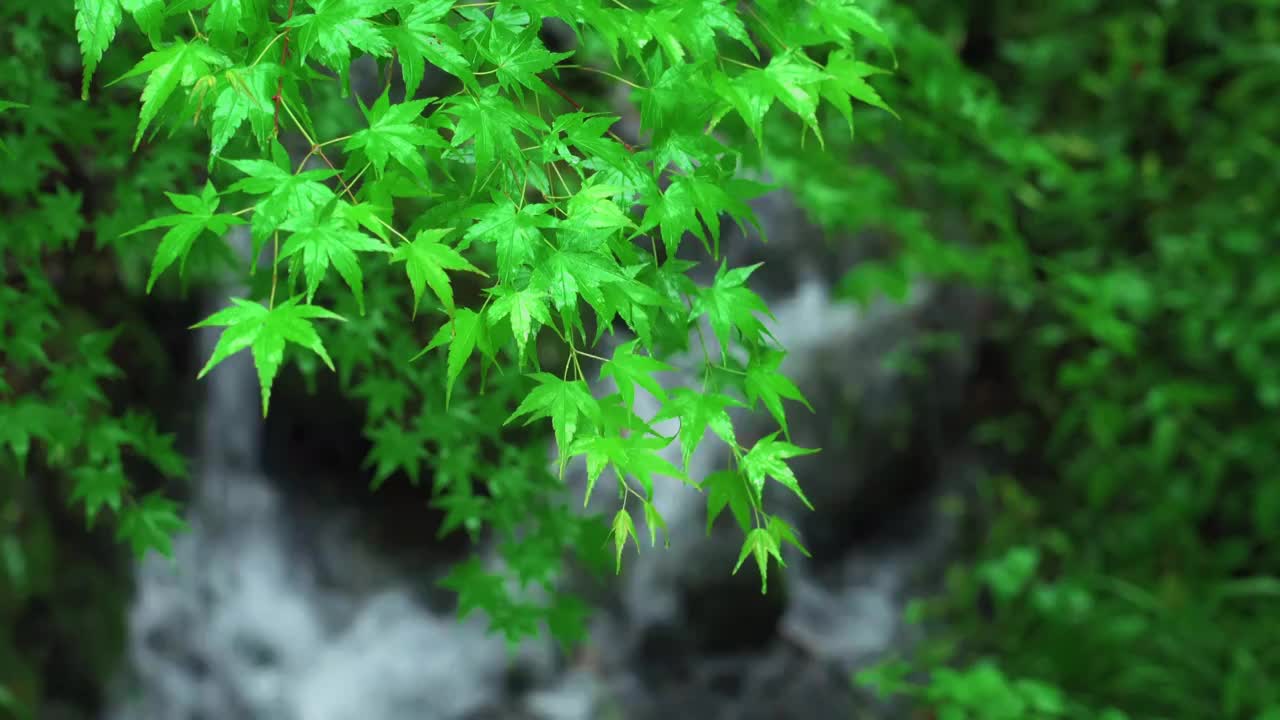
[{"x": 284, "y": 55}]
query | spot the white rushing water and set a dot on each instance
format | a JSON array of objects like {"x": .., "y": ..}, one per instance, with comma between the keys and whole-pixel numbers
[{"x": 238, "y": 627}]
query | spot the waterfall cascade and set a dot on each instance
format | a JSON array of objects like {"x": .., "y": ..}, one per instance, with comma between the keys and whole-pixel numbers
[{"x": 239, "y": 627}]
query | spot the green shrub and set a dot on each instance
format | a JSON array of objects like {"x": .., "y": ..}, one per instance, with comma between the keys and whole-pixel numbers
[{"x": 1128, "y": 568}]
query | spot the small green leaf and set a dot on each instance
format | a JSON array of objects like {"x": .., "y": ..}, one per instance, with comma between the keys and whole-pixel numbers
[
  {"x": 765, "y": 381},
  {"x": 628, "y": 370},
  {"x": 396, "y": 131},
  {"x": 150, "y": 524},
  {"x": 565, "y": 402},
  {"x": 623, "y": 527},
  {"x": 96, "y": 23},
  {"x": 200, "y": 215},
  {"x": 265, "y": 331},
  {"x": 180, "y": 63},
  {"x": 655, "y": 522},
  {"x": 98, "y": 487},
  {"x": 426, "y": 259},
  {"x": 767, "y": 459},
  {"x": 527, "y": 310},
  {"x": 697, "y": 412},
  {"x": 728, "y": 488},
  {"x": 760, "y": 545},
  {"x": 324, "y": 240}
]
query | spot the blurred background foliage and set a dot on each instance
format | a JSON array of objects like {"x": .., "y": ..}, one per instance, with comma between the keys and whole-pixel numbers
[{"x": 1117, "y": 165}]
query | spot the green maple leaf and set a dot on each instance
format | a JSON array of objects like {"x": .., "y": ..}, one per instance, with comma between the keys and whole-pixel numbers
[
  {"x": 636, "y": 455},
  {"x": 846, "y": 80},
  {"x": 760, "y": 544},
  {"x": 385, "y": 395},
  {"x": 665, "y": 30},
  {"x": 643, "y": 461},
  {"x": 8, "y": 105},
  {"x": 749, "y": 97},
  {"x": 535, "y": 558},
  {"x": 140, "y": 433},
  {"x": 692, "y": 196},
  {"x": 461, "y": 334},
  {"x": 516, "y": 231},
  {"x": 566, "y": 275},
  {"x": 841, "y": 18},
  {"x": 477, "y": 588},
  {"x": 395, "y": 448},
  {"x": 287, "y": 195},
  {"x": 150, "y": 524},
  {"x": 655, "y": 522},
  {"x": 611, "y": 27},
  {"x": 461, "y": 510},
  {"x": 96, "y": 23},
  {"x": 698, "y": 411},
  {"x": 492, "y": 121},
  {"x": 600, "y": 451},
  {"x": 726, "y": 488},
  {"x": 265, "y": 331},
  {"x": 335, "y": 27},
  {"x": 226, "y": 18},
  {"x": 593, "y": 211},
  {"x": 22, "y": 421},
  {"x": 324, "y": 240},
  {"x": 628, "y": 370},
  {"x": 767, "y": 458},
  {"x": 678, "y": 102},
  {"x": 199, "y": 213},
  {"x": 505, "y": 18},
  {"x": 730, "y": 305},
  {"x": 180, "y": 63},
  {"x": 148, "y": 14},
  {"x": 98, "y": 486},
  {"x": 623, "y": 527},
  {"x": 782, "y": 532},
  {"x": 245, "y": 94},
  {"x": 527, "y": 310},
  {"x": 396, "y": 131},
  {"x": 565, "y": 402},
  {"x": 708, "y": 16},
  {"x": 793, "y": 82},
  {"x": 426, "y": 259},
  {"x": 686, "y": 151},
  {"x": 519, "y": 58},
  {"x": 615, "y": 165},
  {"x": 420, "y": 38},
  {"x": 764, "y": 380}
]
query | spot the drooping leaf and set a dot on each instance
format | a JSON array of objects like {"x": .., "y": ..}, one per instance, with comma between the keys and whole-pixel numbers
[
  {"x": 760, "y": 544},
  {"x": 564, "y": 401},
  {"x": 179, "y": 63},
  {"x": 767, "y": 458},
  {"x": 96, "y": 23},
  {"x": 325, "y": 240},
  {"x": 150, "y": 524},
  {"x": 426, "y": 259},
  {"x": 265, "y": 331},
  {"x": 396, "y": 131},
  {"x": 199, "y": 214},
  {"x": 623, "y": 527}
]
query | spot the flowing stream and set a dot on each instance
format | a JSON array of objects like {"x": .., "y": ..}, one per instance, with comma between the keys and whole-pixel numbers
[{"x": 240, "y": 627}]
